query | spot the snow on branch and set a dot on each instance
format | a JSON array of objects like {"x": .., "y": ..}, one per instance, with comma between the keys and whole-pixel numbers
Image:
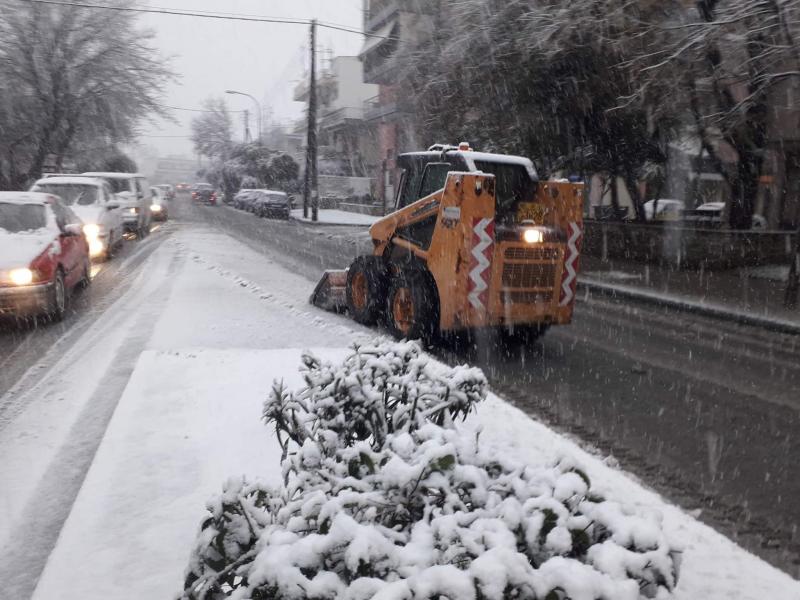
[{"x": 385, "y": 497}]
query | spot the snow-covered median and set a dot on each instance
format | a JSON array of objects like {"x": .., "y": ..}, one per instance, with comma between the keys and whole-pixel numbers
[
  {"x": 332, "y": 216},
  {"x": 189, "y": 419}
]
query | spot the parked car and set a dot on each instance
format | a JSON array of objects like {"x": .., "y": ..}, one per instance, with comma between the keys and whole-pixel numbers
[
  {"x": 243, "y": 197},
  {"x": 133, "y": 194},
  {"x": 159, "y": 206},
  {"x": 705, "y": 215},
  {"x": 204, "y": 193},
  {"x": 92, "y": 200},
  {"x": 169, "y": 191},
  {"x": 44, "y": 254},
  {"x": 268, "y": 203},
  {"x": 663, "y": 209}
]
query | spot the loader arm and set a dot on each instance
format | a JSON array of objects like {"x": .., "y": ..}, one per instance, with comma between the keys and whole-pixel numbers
[{"x": 385, "y": 231}]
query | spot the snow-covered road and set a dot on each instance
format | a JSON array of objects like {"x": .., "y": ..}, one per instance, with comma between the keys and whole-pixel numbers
[{"x": 204, "y": 293}]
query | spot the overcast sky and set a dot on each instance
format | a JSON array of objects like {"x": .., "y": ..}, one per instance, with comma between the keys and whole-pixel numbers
[{"x": 262, "y": 59}]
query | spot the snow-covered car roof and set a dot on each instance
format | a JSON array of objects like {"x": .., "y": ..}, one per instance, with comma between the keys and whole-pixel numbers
[
  {"x": 664, "y": 201},
  {"x": 710, "y": 206},
  {"x": 26, "y": 197},
  {"x": 110, "y": 175},
  {"x": 70, "y": 180}
]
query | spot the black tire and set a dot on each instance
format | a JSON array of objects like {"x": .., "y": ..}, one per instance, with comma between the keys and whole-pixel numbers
[
  {"x": 109, "y": 253},
  {"x": 86, "y": 280},
  {"x": 414, "y": 290},
  {"x": 367, "y": 282},
  {"x": 525, "y": 335},
  {"x": 58, "y": 298}
]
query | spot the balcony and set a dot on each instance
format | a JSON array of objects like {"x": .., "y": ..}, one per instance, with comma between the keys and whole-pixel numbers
[
  {"x": 342, "y": 116},
  {"x": 326, "y": 87},
  {"x": 375, "y": 110}
]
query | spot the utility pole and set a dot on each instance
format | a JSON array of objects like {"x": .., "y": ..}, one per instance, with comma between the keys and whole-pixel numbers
[
  {"x": 793, "y": 279},
  {"x": 246, "y": 126},
  {"x": 310, "y": 192}
]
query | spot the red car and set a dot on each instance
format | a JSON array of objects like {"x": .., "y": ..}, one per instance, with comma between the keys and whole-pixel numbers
[
  {"x": 44, "y": 254},
  {"x": 204, "y": 192}
]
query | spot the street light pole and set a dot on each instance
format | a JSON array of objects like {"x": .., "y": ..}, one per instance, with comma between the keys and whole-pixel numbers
[{"x": 258, "y": 106}]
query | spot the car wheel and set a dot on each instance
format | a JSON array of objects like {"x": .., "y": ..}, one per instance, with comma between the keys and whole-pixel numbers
[
  {"x": 112, "y": 244},
  {"x": 86, "y": 280},
  {"x": 58, "y": 299}
]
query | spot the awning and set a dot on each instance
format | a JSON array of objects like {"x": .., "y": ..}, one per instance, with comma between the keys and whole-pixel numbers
[{"x": 379, "y": 37}]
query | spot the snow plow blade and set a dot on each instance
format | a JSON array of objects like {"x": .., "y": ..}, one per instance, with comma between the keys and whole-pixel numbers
[{"x": 330, "y": 293}]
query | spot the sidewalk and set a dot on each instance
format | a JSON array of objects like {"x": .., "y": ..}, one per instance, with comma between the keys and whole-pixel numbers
[{"x": 752, "y": 294}]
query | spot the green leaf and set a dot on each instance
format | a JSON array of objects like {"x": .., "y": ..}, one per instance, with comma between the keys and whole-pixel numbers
[
  {"x": 583, "y": 476},
  {"x": 444, "y": 463}
]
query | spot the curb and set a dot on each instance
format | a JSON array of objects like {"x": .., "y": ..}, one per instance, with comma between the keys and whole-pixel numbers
[
  {"x": 709, "y": 310},
  {"x": 328, "y": 224}
]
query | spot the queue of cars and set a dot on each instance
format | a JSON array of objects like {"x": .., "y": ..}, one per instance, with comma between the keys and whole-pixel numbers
[
  {"x": 264, "y": 203},
  {"x": 50, "y": 234}
]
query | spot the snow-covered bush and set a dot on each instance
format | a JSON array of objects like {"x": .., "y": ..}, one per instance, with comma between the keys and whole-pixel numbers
[{"x": 384, "y": 497}]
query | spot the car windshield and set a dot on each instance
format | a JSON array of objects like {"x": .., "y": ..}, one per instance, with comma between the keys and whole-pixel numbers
[
  {"x": 18, "y": 218},
  {"x": 118, "y": 185},
  {"x": 71, "y": 193}
]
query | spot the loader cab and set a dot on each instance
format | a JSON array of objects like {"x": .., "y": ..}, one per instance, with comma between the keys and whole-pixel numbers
[{"x": 423, "y": 173}]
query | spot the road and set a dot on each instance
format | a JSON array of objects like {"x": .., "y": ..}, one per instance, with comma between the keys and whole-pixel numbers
[{"x": 706, "y": 412}]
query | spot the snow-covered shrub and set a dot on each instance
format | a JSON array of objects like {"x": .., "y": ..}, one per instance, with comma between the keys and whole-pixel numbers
[{"x": 384, "y": 497}]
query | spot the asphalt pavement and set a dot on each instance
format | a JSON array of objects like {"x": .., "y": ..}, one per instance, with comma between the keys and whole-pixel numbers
[{"x": 705, "y": 411}]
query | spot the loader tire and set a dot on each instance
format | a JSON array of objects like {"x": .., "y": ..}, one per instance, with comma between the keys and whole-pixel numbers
[
  {"x": 367, "y": 280},
  {"x": 412, "y": 306}
]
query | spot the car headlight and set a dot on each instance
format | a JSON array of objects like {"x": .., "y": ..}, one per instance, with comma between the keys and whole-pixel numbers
[
  {"x": 533, "y": 236},
  {"x": 91, "y": 231},
  {"x": 156, "y": 208},
  {"x": 20, "y": 276}
]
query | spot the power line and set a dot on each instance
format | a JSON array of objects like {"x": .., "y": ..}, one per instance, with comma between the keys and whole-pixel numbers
[
  {"x": 198, "y": 110},
  {"x": 212, "y": 15}
]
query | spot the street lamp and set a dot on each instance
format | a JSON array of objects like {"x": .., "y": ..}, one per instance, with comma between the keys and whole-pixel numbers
[{"x": 257, "y": 105}]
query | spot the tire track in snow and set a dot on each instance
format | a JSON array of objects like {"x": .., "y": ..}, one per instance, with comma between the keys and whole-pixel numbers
[{"x": 48, "y": 507}]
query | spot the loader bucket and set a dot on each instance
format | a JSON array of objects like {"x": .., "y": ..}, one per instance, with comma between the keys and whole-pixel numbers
[{"x": 330, "y": 293}]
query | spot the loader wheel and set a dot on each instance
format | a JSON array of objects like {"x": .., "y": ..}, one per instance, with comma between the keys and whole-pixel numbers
[
  {"x": 367, "y": 280},
  {"x": 412, "y": 307},
  {"x": 524, "y": 335}
]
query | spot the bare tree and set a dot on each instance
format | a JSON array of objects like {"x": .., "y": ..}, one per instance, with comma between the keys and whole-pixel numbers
[
  {"x": 70, "y": 74},
  {"x": 212, "y": 131}
]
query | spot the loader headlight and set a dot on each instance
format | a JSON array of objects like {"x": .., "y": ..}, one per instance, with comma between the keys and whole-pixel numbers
[
  {"x": 533, "y": 236},
  {"x": 20, "y": 276}
]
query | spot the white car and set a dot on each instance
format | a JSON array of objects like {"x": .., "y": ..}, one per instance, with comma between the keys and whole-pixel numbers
[
  {"x": 159, "y": 206},
  {"x": 92, "y": 200},
  {"x": 134, "y": 196},
  {"x": 666, "y": 210}
]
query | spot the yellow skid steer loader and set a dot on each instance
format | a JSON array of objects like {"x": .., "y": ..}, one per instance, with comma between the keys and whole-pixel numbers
[{"x": 476, "y": 241}]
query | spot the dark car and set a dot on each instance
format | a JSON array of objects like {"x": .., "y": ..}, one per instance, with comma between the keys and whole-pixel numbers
[
  {"x": 204, "y": 193},
  {"x": 44, "y": 254},
  {"x": 272, "y": 204}
]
